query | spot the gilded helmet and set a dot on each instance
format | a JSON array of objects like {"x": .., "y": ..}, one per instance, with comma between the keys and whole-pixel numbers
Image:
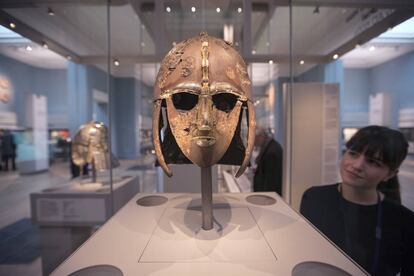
[
  {"x": 200, "y": 93},
  {"x": 90, "y": 145}
]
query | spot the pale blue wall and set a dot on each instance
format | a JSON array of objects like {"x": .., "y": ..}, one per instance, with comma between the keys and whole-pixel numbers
[
  {"x": 125, "y": 116},
  {"x": 27, "y": 80},
  {"x": 395, "y": 77},
  {"x": 356, "y": 91},
  {"x": 316, "y": 74},
  {"x": 330, "y": 73},
  {"x": 18, "y": 75},
  {"x": 80, "y": 99},
  {"x": 52, "y": 84},
  {"x": 70, "y": 95}
]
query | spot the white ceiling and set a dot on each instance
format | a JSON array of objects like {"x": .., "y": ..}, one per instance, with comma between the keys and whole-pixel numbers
[
  {"x": 389, "y": 45},
  {"x": 15, "y": 47},
  {"x": 82, "y": 30}
]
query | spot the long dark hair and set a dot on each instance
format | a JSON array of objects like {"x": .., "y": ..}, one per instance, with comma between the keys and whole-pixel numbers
[{"x": 387, "y": 144}]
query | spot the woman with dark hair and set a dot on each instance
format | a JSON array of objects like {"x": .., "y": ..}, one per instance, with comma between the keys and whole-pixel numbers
[{"x": 367, "y": 224}]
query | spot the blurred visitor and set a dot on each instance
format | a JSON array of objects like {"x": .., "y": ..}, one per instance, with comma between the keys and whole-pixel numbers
[
  {"x": 8, "y": 150},
  {"x": 269, "y": 162}
]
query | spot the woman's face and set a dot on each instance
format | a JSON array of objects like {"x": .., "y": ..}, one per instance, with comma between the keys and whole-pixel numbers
[{"x": 361, "y": 171}]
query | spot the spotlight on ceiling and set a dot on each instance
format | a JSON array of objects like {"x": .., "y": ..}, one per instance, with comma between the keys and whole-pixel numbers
[
  {"x": 218, "y": 10},
  {"x": 302, "y": 62},
  {"x": 44, "y": 45},
  {"x": 116, "y": 62},
  {"x": 168, "y": 9},
  {"x": 193, "y": 9},
  {"x": 12, "y": 25},
  {"x": 239, "y": 10},
  {"x": 29, "y": 48},
  {"x": 270, "y": 61},
  {"x": 335, "y": 56},
  {"x": 50, "y": 12}
]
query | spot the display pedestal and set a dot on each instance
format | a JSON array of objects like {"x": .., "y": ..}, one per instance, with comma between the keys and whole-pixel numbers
[
  {"x": 253, "y": 234},
  {"x": 67, "y": 215}
]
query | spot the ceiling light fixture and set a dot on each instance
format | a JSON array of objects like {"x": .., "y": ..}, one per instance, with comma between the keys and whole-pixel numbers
[
  {"x": 372, "y": 48},
  {"x": 12, "y": 25},
  {"x": 50, "y": 12},
  {"x": 270, "y": 61},
  {"x": 218, "y": 10},
  {"x": 239, "y": 9},
  {"x": 193, "y": 9},
  {"x": 29, "y": 48},
  {"x": 316, "y": 10},
  {"x": 116, "y": 62},
  {"x": 44, "y": 45},
  {"x": 335, "y": 56},
  {"x": 168, "y": 9},
  {"x": 253, "y": 52},
  {"x": 302, "y": 62}
]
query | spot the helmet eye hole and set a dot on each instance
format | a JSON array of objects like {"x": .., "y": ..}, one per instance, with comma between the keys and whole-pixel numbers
[
  {"x": 184, "y": 101},
  {"x": 224, "y": 101}
]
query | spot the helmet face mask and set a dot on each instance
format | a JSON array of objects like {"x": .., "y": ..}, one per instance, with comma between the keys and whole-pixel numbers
[{"x": 203, "y": 85}]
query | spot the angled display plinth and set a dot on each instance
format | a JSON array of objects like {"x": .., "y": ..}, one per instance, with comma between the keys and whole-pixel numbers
[{"x": 253, "y": 234}]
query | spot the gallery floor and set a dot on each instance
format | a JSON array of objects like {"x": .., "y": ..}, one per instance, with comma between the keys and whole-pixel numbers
[{"x": 19, "y": 241}]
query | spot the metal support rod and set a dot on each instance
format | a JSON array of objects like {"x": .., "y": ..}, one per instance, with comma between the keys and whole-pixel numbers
[
  {"x": 206, "y": 198},
  {"x": 108, "y": 87},
  {"x": 93, "y": 171}
]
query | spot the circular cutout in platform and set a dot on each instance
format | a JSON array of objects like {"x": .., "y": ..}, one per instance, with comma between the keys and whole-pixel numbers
[
  {"x": 101, "y": 270},
  {"x": 148, "y": 201},
  {"x": 261, "y": 200},
  {"x": 318, "y": 269}
]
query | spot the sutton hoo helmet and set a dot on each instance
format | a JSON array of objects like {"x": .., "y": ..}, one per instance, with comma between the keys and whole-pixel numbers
[
  {"x": 203, "y": 87},
  {"x": 90, "y": 145}
]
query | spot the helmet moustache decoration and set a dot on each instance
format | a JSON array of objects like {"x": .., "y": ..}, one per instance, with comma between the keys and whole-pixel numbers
[{"x": 201, "y": 91}]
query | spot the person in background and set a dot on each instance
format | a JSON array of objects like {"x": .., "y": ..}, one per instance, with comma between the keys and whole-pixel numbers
[
  {"x": 8, "y": 152},
  {"x": 268, "y": 173},
  {"x": 75, "y": 170},
  {"x": 367, "y": 224}
]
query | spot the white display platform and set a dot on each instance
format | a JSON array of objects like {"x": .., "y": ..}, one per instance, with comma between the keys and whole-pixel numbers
[
  {"x": 247, "y": 239},
  {"x": 79, "y": 203}
]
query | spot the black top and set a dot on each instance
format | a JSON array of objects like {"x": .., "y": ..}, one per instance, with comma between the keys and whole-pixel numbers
[
  {"x": 352, "y": 227},
  {"x": 268, "y": 175}
]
